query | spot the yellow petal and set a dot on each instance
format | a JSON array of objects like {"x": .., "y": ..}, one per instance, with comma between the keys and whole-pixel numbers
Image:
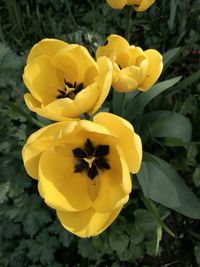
[
  {"x": 134, "y": 2},
  {"x": 77, "y": 64},
  {"x": 155, "y": 66},
  {"x": 67, "y": 108},
  {"x": 103, "y": 83},
  {"x": 126, "y": 80},
  {"x": 119, "y": 4},
  {"x": 36, "y": 144},
  {"x": 126, "y": 178},
  {"x": 115, "y": 44},
  {"x": 35, "y": 106},
  {"x": 87, "y": 223},
  {"x": 42, "y": 80},
  {"x": 62, "y": 188},
  {"x": 129, "y": 141},
  {"x": 112, "y": 184},
  {"x": 46, "y": 47},
  {"x": 145, "y": 4}
]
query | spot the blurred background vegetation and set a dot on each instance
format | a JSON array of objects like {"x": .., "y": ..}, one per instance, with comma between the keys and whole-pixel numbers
[{"x": 30, "y": 234}]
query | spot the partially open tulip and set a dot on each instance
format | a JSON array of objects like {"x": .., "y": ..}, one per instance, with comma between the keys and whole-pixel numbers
[
  {"x": 133, "y": 68},
  {"x": 83, "y": 169},
  {"x": 64, "y": 80},
  {"x": 138, "y": 5}
]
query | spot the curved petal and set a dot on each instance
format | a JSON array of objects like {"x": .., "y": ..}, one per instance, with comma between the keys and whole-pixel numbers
[
  {"x": 67, "y": 108},
  {"x": 87, "y": 223},
  {"x": 129, "y": 142},
  {"x": 117, "y": 4},
  {"x": 103, "y": 82},
  {"x": 62, "y": 188},
  {"x": 86, "y": 99},
  {"x": 46, "y": 47},
  {"x": 126, "y": 178},
  {"x": 155, "y": 66},
  {"x": 77, "y": 64},
  {"x": 112, "y": 183},
  {"x": 115, "y": 44},
  {"x": 126, "y": 80},
  {"x": 35, "y": 106},
  {"x": 145, "y": 4},
  {"x": 42, "y": 80},
  {"x": 36, "y": 144}
]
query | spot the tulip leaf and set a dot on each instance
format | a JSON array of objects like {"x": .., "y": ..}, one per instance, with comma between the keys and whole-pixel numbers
[
  {"x": 118, "y": 103},
  {"x": 135, "y": 107},
  {"x": 162, "y": 184},
  {"x": 170, "y": 56},
  {"x": 166, "y": 124},
  {"x": 186, "y": 82}
]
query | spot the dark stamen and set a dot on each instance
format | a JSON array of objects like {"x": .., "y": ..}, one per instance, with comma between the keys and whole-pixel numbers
[
  {"x": 79, "y": 153},
  {"x": 81, "y": 166},
  {"x": 102, "y": 164},
  {"x": 76, "y": 88},
  {"x": 102, "y": 150},
  {"x": 91, "y": 158},
  {"x": 92, "y": 172},
  {"x": 89, "y": 148}
]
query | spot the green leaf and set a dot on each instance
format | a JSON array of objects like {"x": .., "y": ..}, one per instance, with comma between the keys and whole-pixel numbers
[
  {"x": 197, "y": 254},
  {"x": 170, "y": 56},
  {"x": 20, "y": 111},
  {"x": 162, "y": 184},
  {"x": 196, "y": 177},
  {"x": 86, "y": 249},
  {"x": 186, "y": 82},
  {"x": 140, "y": 101},
  {"x": 10, "y": 63},
  {"x": 118, "y": 103},
  {"x": 166, "y": 124},
  {"x": 144, "y": 221},
  {"x": 153, "y": 210},
  {"x": 118, "y": 243}
]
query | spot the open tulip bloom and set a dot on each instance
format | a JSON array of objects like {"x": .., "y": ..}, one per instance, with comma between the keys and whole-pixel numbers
[
  {"x": 83, "y": 169},
  {"x": 133, "y": 68},
  {"x": 64, "y": 80},
  {"x": 138, "y": 5}
]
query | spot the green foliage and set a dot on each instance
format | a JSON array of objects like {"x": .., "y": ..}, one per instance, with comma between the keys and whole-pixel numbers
[
  {"x": 167, "y": 117},
  {"x": 159, "y": 181}
]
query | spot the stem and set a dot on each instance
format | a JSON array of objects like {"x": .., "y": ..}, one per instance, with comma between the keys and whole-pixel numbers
[
  {"x": 152, "y": 209},
  {"x": 128, "y": 22},
  {"x": 20, "y": 111}
]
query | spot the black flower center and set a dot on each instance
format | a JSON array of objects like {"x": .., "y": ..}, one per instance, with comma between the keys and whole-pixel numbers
[
  {"x": 91, "y": 159},
  {"x": 70, "y": 90}
]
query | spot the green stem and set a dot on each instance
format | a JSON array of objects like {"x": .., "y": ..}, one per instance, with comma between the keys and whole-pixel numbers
[
  {"x": 128, "y": 22},
  {"x": 152, "y": 209},
  {"x": 20, "y": 111}
]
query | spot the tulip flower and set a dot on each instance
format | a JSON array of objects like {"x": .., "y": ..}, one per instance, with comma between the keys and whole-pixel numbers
[
  {"x": 133, "y": 68},
  {"x": 83, "y": 169},
  {"x": 138, "y": 5},
  {"x": 64, "y": 80}
]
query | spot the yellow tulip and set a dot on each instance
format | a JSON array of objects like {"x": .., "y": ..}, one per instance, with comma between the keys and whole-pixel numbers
[
  {"x": 133, "y": 68},
  {"x": 83, "y": 169},
  {"x": 64, "y": 80},
  {"x": 138, "y": 5}
]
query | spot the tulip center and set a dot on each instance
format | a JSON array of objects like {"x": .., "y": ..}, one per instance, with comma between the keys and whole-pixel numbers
[
  {"x": 91, "y": 159},
  {"x": 70, "y": 90}
]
